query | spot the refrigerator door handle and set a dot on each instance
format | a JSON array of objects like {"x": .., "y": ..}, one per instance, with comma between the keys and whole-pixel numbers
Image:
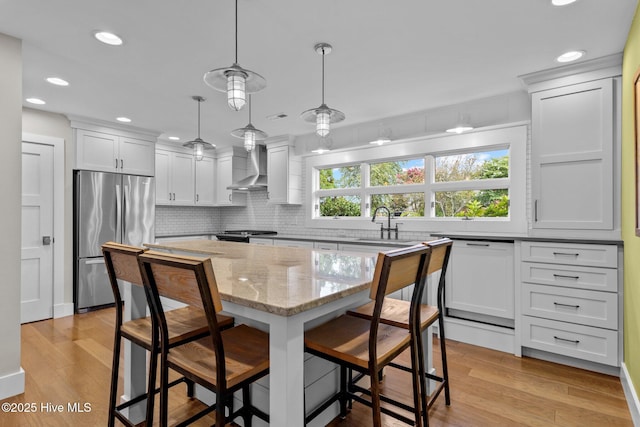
[
  {"x": 125, "y": 206},
  {"x": 118, "y": 213}
]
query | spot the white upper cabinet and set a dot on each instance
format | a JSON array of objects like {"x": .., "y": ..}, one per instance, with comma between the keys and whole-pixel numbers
[
  {"x": 110, "y": 150},
  {"x": 284, "y": 173},
  {"x": 205, "y": 181},
  {"x": 572, "y": 156},
  {"x": 175, "y": 178},
  {"x": 575, "y": 149},
  {"x": 231, "y": 166}
]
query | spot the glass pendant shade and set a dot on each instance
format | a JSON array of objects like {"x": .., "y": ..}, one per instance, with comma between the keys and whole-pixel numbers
[
  {"x": 323, "y": 123},
  {"x": 323, "y": 116},
  {"x": 249, "y": 140},
  {"x": 198, "y": 150},
  {"x": 236, "y": 81},
  {"x": 236, "y": 93}
]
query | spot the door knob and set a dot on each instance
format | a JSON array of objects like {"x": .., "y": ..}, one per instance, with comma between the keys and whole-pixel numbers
[{"x": 46, "y": 240}]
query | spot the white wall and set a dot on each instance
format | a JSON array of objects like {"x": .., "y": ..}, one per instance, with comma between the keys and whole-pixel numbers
[
  {"x": 56, "y": 125},
  {"x": 11, "y": 374}
]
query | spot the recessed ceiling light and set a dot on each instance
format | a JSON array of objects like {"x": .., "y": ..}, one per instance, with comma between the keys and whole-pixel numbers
[
  {"x": 124, "y": 119},
  {"x": 57, "y": 81},
  {"x": 108, "y": 38},
  {"x": 562, "y": 2},
  {"x": 36, "y": 101},
  {"x": 572, "y": 55},
  {"x": 174, "y": 138}
]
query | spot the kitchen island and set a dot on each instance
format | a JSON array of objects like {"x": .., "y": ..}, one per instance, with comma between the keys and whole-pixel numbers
[{"x": 284, "y": 291}]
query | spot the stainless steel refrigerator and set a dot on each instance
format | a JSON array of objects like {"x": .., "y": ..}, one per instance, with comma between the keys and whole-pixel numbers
[{"x": 107, "y": 207}]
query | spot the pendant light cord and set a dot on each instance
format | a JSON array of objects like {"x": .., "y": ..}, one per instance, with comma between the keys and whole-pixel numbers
[
  {"x": 236, "y": 31},
  {"x": 199, "y": 101},
  {"x": 249, "y": 108},
  {"x": 323, "y": 76}
]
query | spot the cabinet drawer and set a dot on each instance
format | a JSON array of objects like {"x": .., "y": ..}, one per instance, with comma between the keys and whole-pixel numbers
[
  {"x": 583, "y": 342},
  {"x": 599, "y": 279},
  {"x": 591, "y": 308},
  {"x": 571, "y": 254}
]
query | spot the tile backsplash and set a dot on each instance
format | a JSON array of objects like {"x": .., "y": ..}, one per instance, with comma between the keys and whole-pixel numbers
[{"x": 256, "y": 215}]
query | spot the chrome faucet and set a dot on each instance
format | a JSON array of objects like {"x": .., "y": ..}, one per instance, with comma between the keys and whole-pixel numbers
[{"x": 388, "y": 228}]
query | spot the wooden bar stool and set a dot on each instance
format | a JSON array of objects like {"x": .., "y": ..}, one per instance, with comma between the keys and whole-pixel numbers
[
  {"x": 185, "y": 324},
  {"x": 396, "y": 312},
  {"x": 225, "y": 361},
  {"x": 368, "y": 345}
]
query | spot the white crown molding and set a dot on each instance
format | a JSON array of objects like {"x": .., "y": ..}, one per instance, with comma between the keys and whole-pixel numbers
[
  {"x": 598, "y": 68},
  {"x": 80, "y": 122}
]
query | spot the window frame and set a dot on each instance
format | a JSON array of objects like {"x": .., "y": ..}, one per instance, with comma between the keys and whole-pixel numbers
[{"x": 514, "y": 137}]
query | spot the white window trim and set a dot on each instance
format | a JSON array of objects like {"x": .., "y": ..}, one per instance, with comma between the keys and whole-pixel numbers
[{"x": 514, "y": 136}]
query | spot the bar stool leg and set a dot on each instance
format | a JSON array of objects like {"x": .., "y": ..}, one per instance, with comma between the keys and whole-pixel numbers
[{"x": 115, "y": 365}]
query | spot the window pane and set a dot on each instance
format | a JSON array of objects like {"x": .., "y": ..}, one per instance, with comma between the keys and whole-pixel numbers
[
  {"x": 484, "y": 203},
  {"x": 343, "y": 177},
  {"x": 407, "y": 204},
  {"x": 473, "y": 166},
  {"x": 397, "y": 173},
  {"x": 340, "y": 206}
]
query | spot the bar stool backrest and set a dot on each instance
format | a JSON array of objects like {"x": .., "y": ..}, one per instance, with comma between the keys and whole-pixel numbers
[
  {"x": 397, "y": 269},
  {"x": 121, "y": 262},
  {"x": 189, "y": 280}
]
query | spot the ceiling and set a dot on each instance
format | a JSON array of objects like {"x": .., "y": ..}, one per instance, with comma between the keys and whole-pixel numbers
[{"x": 389, "y": 58}]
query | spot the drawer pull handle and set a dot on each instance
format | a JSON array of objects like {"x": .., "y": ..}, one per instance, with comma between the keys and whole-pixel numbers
[
  {"x": 567, "y": 340},
  {"x": 566, "y": 305},
  {"x": 564, "y": 276},
  {"x": 478, "y": 244},
  {"x": 565, "y": 254}
]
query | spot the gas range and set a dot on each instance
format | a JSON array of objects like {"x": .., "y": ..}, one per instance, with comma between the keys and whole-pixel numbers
[{"x": 242, "y": 235}]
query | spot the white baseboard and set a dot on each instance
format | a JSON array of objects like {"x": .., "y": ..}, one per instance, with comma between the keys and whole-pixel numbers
[
  {"x": 62, "y": 310},
  {"x": 630, "y": 394},
  {"x": 12, "y": 384}
]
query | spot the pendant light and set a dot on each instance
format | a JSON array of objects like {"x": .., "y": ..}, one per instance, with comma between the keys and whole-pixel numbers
[
  {"x": 249, "y": 133},
  {"x": 235, "y": 80},
  {"x": 198, "y": 144},
  {"x": 463, "y": 125},
  {"x": 323, "y": 116}
]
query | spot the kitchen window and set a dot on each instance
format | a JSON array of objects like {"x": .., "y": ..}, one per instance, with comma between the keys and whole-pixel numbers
[{"x": 474, "y": 181}]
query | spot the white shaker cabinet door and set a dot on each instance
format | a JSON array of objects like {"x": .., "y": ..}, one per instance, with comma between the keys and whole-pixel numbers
[
  {"x": 481, "y": 278},
  {"x": 205, "y": 180},
  {"x": 572, "y": 157}
]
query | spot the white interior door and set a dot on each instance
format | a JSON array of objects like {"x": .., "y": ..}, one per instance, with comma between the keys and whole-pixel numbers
[{"x": 37, "y": 230}]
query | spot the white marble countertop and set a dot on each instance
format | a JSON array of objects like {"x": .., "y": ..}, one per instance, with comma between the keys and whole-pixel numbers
[{"x": 280, "y": 280}]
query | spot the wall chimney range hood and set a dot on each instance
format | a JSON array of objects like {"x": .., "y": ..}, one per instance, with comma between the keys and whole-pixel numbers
[{"x": 257, "y": 178}]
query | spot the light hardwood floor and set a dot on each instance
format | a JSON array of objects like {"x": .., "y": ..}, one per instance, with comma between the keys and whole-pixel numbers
[{"x": 68, "y": 360}]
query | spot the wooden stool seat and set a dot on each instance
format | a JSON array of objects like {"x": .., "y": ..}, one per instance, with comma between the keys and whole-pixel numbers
[
  {"x": 347, "y": 338},
  {"x": 395, "y": 312},
  {"x": 246, "y": 354},
  {"x": 185, "y": 324}
]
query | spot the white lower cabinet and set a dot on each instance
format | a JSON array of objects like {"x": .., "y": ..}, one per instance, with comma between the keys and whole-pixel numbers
[
  {"x": 570, "y": 301},
  {"x": 480, "y": 281}
]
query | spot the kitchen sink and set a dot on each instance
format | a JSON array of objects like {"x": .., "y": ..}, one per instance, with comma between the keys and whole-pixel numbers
[{"x": 379, "y": 240}]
